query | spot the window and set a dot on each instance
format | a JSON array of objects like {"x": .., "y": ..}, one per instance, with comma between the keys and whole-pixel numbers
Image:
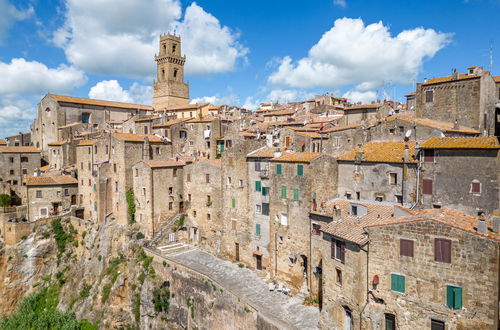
[
  {"x": 189, "y": 197},
  {"x": 95, "y": 149},
  {"x": 95, "y": 187},
  {"x": 136, "y": 172},
  {"x": 209, "y": 200},
  {"x": 354, "y": 210},
  {"x": 24, "y": 159},
  {"x": 229, "y": 180},
  {"x": 283, "y": 191},
  {"x": 233, "y": 203},
  {"x": 175, "y": 73},
  {"x": 116, "y": 186},
  {"x": 241, "y": 183},
  {"x": 278, "y": 169},
  {"x": 85, "y": 118},
  {"x": 284, "y": 219},
  {"x": 11, "y": 172},
  {"x": 209, "y": 216},
  {"x": 475, "y": 187},
  {"x": 38, "y": 194},
  {"x": 11, "y": 159},
  {"x": 114, "y": 167},
  {"x": 257, "y": 229},
  {"x": 170, "y": 205},
  {"x": 442, "y": 250},
  {"x": 194, "y": 213},
  {"x": 401, "y": 129},
  {"x": 188, "y": 179},
  {"x": 170, "y": 190},
  {"x": 339, "y": 276},
  {"x": 428, "y": 155},
  {"x": 406, "y": 247},
  {"x": 300, "y": 170},
  {"x": 174, "y": 172},
  {"x": 338, "y": 250},
  {"x": 158, "y": 152},
  {"x": 295, "y": 194},
  {"x": 429, "y": 96},
  {"x": 257, "y": 166},
  {"x": 107, "y": 149},
  {"x": 144, "y": 191},
  {"x": 427, "y": 187},
  {"x": 398, "y": 283},
  {"x": 316, "y": 229},
  {"x": 258, "y": 186},
  {"x": 258, "y": 209},
  {"x": 174, "y": 46},
  {"x": 454, "y": 297},
  {"x": 81, "y": 165},
  {"x": 265, "y": 208},
  {"x": 437, "y": 325},
  {"x": 265, "y": 191},
  {"x": 393, "y": 178},
  {"x": 90, "y": 182},
  {"x": 233, "y": 224},
  {"x": 207, "y": 178},
  {"x": 390, "y": 322},
  {"x": 25, "y": 171},
  {"x": 183, "y": 134}
]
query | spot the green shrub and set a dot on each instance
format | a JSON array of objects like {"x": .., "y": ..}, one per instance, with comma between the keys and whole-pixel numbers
[
  {"x": 179, "y": 223},
  {"x": 129, "y": 195},
  {"x": 85, "y": 291},
  {"x": 61, "y": 237},
  {"x": 139, "y": 236},
  {"x": 161, "y": 300},
  {"x": 136, "y": 308},
  {"x": 106, "y": 290},
  {"x": 5, "y": 200}
]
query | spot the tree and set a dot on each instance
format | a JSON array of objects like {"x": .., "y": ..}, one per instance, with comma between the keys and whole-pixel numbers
[{"x": 5, "y": 200}]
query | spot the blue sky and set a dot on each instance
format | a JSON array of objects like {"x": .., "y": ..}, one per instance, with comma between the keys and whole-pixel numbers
[{"x": 238, "y": 52}]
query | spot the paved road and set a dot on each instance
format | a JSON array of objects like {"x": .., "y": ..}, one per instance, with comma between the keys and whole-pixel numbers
[{"x": 286, "y": 311}]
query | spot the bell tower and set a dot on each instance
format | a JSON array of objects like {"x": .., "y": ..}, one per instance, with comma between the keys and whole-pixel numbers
[{"x": 169, "y": 87}]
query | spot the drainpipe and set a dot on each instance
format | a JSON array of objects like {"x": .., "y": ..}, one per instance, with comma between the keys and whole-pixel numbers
[{"x": 367, "y": 284}]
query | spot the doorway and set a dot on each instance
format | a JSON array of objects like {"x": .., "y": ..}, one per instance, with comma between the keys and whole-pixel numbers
[
  {"x": 237, "y": 251},
  {"x": 258, "y": 260},
  {"x": 347, "y": 318}
]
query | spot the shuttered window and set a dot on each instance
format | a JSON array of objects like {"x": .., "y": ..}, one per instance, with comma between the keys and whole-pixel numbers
[
  {"x": 442, "y": 250},
  {"x": 475, "y": 187},
  {"x": 283, "y": 191},
  {"x": 397, "y": 283},
  {"x": 257, "y": 229},
  {"x": 406, "y": 247},
  {"x": 265, "y": 191},
  {"x": 427, "y": 187},
  {"x": 295, "y": 194},
  {"x": 278, "y": 169},
  {"x": 257, "y": 166},
  {"x": 233, "y": 203},
  {"x": 454, "y": 297},
  {"x": 338, "y": 250},
  {"x": 390, "y": 322},
  {"x": 265, "y": 208},
  {"x": 257, "y": 186},
  {"x": 300, "y": 170},
  {"x": 437, "y": 325},
  {"x": 429, "y": 156},
  {"x": 429, "y": 96}
]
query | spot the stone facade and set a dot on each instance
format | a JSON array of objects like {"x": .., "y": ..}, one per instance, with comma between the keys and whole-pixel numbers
[{"x": 62, "y": 154}]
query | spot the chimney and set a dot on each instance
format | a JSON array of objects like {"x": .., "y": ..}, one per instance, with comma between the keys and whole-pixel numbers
[
  {"x": 455, "y": 125},
  {"x": 455, "y": 74},
  {"x": 496, "y": 224},
  {"x": 482, "y": 226}
]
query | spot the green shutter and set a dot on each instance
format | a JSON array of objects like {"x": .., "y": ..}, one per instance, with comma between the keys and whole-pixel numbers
[
  {"x": 278, "y": 169},
  {"x": 233, "y": 203},
  {"x": 300, "y": 170},
  {"x": 453, "y": 297},
  {"x": 257, "y": 186},
  {"x": 265, "y": 191},
  {"x": 257, "y": 229},
  {"x": 95, "y": 187},
  {"x": 95, "y": 206},
  {"x": 283, "y": 191},
  {"x": 449, "y": 296},
  {"x": 397, "y": 283},
  {"x": 295, "y": 194}
]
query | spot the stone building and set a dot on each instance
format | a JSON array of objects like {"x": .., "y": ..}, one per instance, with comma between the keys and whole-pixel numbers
[
  {"x": 469, "y": 99},
  {"x": 145, "y": 125},
  {"x": 460, "y": 173},
  {"x": 381, "y": 171},
  {"x": 365, "y": 113},
  {"x": 159, "y": 192},
  {"x": 203, "y": 202},
  {"x": 169, "y": 87},
  {"x": 17, "y": 163},
  {"x": 437, "y": 269},
  {"x": 60, "y": 117},
  {"x": 3, "y": 143},
  {"x": 19, "y": 140},
  {"x": 50, "y": 195},
  {"x": 192, "y": 111},
  {"x": 299, "y": 182},
  {"x": 62, "y": 153}
]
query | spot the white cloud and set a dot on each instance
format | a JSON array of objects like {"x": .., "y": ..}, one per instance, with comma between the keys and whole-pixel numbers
[
  {"x": 367, "y": 55},
  {"x": 11, "y": 14},
  {"x": 230, "y": 99},
  {"x": 251, "y": 103},
  {"x": 112, "y": 91},
  {"x": 288, "y": 95},
  {"x": 125, "y": 37},
  {"x": 21, "y": 76},
  {"x": 340, "y": 3},
  {"x": 354, "y": 96},
  {"x": 16, "y": 114},
  {"x": 209, "y": 47}
]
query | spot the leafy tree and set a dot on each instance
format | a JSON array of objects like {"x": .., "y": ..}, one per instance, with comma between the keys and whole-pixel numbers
[
  {"x": 129, "y": 195},
  {"x": 5, "y": 200}
]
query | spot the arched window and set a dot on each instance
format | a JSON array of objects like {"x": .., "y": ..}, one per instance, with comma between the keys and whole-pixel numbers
[
  {"x": 174, "y": 46},
  {"x": 175, "y": 73},
  {"x": 163, "y": 74}
]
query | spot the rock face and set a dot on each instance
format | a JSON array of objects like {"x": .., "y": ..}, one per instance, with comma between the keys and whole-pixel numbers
[{"x": 102, "y": 274}]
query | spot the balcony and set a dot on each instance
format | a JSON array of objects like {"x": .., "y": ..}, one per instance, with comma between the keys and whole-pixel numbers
[{"x": 264, "y": 174}]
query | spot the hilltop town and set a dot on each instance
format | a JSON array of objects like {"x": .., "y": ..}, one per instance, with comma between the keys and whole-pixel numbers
[{"x": 372, "y": 216}]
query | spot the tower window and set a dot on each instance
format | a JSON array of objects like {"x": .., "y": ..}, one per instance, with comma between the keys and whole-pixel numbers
[
  {"x": 163, "y": 74},
  {"x": 164, "y": 48},
  {"x": 174, "y": 46},
  {"x": 175, "y": 73}
]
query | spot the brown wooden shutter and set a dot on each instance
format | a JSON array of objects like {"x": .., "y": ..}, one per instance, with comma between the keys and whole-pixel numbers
[
  {"x": 446, "y": 250},
  {"x": 342, "y": 252},
  {"x": 427, "y": 187},
  {"x": 476, "y": 188},
  {"x": 406, "y": 247},
  {"x": 437, "y": 250},
  {"x": 332, "y": 246}
]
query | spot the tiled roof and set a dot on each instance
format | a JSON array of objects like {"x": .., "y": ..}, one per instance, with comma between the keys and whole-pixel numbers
[
  {"x": 280, "y": 113},
  {"x": 146, "y": 119},
  {"x": 264, "y": 152},
  {"x": 479, "y": 142},
  {"x": 411, "y": 93},
  {"x": 440, "y": 125},
  {"x": 17, "y": 150},
  {"x": 444, "y": 216},
  {"x": 364, "y": 106},
  {"x": 202, "y": 120},
  {"x": 163, "y": 163},
  {"x": 216, "y": 162},
  {"x": 297, "y": 157},
  {"x": 339, "y": 128},
  {"x": 188, "y": 106},
  {"x": 257, "y": 118},
  {"x": 171, "y": 122},
  {"x": 50, "y": 180},
  {"x": 45, "y": 168},
  {"x": 496, "y": 79},
  {"x": 57, "y": 143},
  {"x": 71, "y": 99},
  {"x": 86, "y": 143},
  {"x": 381, "y": 152},
  {"x": 130, "y": 137},
  {"x": 351, "y": 227},
  {"x": 450, "y": 78},
  {"x": 313, "y": 135},
  {"x": 2, "y": 142}
]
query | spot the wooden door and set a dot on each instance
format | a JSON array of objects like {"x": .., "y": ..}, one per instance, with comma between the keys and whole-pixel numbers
[
  {"x": 259, "y": 262},
  {"x": 237, "y": 251}
]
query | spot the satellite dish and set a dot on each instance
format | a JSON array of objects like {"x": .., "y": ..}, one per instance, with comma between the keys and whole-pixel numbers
[{"x": 408, "y": 133}]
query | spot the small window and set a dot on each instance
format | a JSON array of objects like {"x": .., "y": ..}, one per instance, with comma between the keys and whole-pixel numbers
[
  {"x": 229, "y": 180},
  {"x": 24, "y": 159},
  {"x": 158, "y": 152},
  {"x": 209, "y": 200},
  {"x": 354, "y": 210},
  {"x": 316, "y": 229},
  {"x": 401, "y": 129},
  {"x": 258, "y": 209},
  {"x": 393, "y": 178},
  {"x": 475, "y": 187},
  {"x": 437, "y": 325},
  {"x": 11, "y": 172},
  {"x": 283, "y": 191},
  {"x": 175, "y": 73},
  {"x": 257, "y": 166},
  {"x": 398, "y": 283},
  {"x": 300, "y": 170},
  {"x": 284, "y": 219},
  {"x": 257, "y": 229},
  {"x": 258, "y": 186},
  {"x": 442, "y": 250},
  {"x": 209, "y": 216},
  {"x": 429, "y": 155},
  {"x": 207, "y": 178},
  {"x": 454, "y": 297},
  {"x": 170, "y": 205},
  {"x": 25, "y": 171},
  {"x": 85, "y": 118},
  {"x": 265, "y": 208},
  {"x": 174, "y": 172},
  {"x": 241, "y": 183},
  {"x": 406, "y": 247},
  {"x": 114, "y": 167},
  {"x": 11, "y": 159},
  {"x": 390, "y": 322},
  {"x": 136, "y": 172},
  {"x": 144, "y": 191},
  {"x": 427, "y": 187},
  {"x": 38, "y": 194},
  {"x": 170, "y": 190},
  {"x": 189, "y": 197},
  {"x": 296, "y": 194},
  {"x": 265, "y": 191},
  {"x": 233, "y": 203},
  {"x": 339, "y": 276},
  {"x": 278, "y": 169},
  {"x": 429, "y": 96},
  {"x": 338, "y": 250},
  {"x": 188, "y": 178},
  {"x": 233, "y": 224}
]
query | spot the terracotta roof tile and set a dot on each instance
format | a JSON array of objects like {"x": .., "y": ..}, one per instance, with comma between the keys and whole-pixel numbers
[
  {"x": 264, "y": 152},
  {"x": 50, "y": 180},
  {"x": 71, "y": 99},
  {"x": 313, "y": 135},
  {"x": 496, "y": 79},
  {"x": 339, "y": 128},
  {"x": 280, "y": 113},
  {"x": 57, "y": 143},
  {"x": 381, "y": 152},
  {"x": 164, "y": 163},
  {"x": 130, "y": 137},
  {"x": 440, "y": 125},
  {"x": 17, "y": 150},
  {"x": 188, "y": 106},
  {"x": 146, "y": 119},
  {"x": 297, "y": 157},
  {"x": 171, "y": 122},
  {"x": 2, "y": 142},
  {"x": 439, "y": 80},
  {"x": 480, "y": 142},
  {"x": 363, "y": 106},
  {"x": 444, "y": 216}
]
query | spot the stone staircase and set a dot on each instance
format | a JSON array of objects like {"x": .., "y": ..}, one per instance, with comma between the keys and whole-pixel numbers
[
  {"x": 174, "y": 249},
  {"x": 166, "y": 229}
]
